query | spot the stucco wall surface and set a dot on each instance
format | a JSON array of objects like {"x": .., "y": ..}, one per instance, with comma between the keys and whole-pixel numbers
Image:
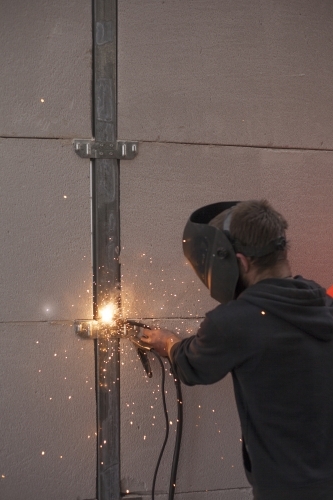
[
  {"x": 226, "y": 72},
  {"x": 45, "y": 67},
  {"x": 230, "y": 101},
  {"x": 45, "y": 233},
  {"x": 47, "y": 432},
  {"x": 48, "y": 423}
]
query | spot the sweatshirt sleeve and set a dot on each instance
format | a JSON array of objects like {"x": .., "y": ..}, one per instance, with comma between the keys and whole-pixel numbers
[{"x": 208, "y": 356}]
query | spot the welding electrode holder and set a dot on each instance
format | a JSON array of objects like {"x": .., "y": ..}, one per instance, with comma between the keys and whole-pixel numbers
[
  {"x": 129, "y": 328},
  {"x": 141, "y": 346}
]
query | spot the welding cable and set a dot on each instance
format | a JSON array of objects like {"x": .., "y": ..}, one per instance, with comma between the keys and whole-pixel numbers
[
  {"x": 166, "y": 421},
  {"x": 179, "y": 429},
  {"x": 179, "y": 426}
]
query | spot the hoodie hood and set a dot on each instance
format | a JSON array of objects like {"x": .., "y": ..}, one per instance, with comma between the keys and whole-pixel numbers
[{"x": 300, "y": 302}]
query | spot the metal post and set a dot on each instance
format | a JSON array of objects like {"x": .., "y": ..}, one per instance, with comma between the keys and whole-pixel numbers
[{"x": 106, "y": 244}]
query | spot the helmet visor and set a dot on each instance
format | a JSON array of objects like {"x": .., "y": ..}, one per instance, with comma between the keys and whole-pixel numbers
[{"x": 210, "y": 252}]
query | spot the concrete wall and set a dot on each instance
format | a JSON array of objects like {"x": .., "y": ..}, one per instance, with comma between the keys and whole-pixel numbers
[
  {"x": 229, "y": 100},
  {"x": 47, "y": 389}
]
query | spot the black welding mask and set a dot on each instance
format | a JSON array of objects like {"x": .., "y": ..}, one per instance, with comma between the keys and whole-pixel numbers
[{"x": 210, "y": 251}]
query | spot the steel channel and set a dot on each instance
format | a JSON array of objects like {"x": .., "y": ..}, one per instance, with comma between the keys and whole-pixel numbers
[{"x": 106, "y": 244}]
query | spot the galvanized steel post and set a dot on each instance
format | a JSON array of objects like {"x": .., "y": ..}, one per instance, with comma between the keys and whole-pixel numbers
[{"x": 106, "y": 245}]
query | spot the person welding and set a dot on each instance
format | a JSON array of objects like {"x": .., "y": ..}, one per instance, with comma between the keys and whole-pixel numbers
[{"x": 274, "y": 333}]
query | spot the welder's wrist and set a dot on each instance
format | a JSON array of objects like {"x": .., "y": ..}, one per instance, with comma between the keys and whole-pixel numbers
[{"x": 170, "y": 343}]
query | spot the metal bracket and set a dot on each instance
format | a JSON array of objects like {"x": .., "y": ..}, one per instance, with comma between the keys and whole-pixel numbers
[
  {"x": 93, "y": 329},
  {"x": 119, "y": 150}
]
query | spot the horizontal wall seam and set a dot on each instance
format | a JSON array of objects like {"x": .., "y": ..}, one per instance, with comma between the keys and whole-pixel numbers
[
  {"x": 70, "y": 322},
  {"x": 28, "y": 322},
  {"x": 65, "y": 138},
  {"x": 280, "y": 148},
  {"x": 172, "y": 317},
  {"x": 183, "y": 143},
  {"x": 240, "y": 488}
]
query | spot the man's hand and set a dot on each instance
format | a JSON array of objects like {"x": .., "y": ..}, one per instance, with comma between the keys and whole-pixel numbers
[{"x": 160, "y": 339}]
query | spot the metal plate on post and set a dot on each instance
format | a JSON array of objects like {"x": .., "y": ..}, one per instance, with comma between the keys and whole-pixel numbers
[{"x": 119, "y": 150}]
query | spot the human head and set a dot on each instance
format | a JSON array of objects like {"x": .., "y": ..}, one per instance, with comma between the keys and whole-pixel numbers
[
  {"x": 232, "y": 245},
  {"x": 255, "y": 225}
]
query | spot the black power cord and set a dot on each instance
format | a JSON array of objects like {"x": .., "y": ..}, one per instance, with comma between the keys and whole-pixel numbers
[
  {"x": 179, "y": 430},
  {"x": 142, "y": 350},
  {"x": 166, "y": 423}
]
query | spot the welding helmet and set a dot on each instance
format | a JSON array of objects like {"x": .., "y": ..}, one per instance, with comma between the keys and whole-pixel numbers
[{"x": 210, "y": 251}]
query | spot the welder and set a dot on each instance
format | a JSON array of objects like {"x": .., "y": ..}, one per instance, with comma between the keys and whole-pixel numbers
[{"x": 274, "y": 333}]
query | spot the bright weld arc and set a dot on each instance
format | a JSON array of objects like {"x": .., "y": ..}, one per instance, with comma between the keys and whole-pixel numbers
[{"x": 107, "y": 314}]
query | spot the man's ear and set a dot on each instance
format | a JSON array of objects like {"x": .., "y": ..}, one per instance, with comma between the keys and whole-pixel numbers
[{"x": 243, "y": 262}]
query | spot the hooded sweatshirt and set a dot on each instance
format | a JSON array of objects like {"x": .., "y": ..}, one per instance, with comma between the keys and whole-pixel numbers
[{"x": 277, "y": 341}]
